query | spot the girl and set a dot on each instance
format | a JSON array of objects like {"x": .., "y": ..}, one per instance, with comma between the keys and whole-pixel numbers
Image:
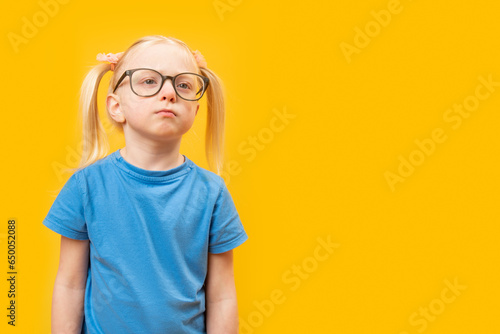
[{"x": 146, "y": 234}]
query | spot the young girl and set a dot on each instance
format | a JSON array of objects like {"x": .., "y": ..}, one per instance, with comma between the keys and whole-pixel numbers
[{"x": 146, "y": 234}]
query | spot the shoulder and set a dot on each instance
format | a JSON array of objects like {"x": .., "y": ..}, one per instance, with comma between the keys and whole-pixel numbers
[
  {"x": 208, "y": 177},
  {"x": 99, "y": 167}
]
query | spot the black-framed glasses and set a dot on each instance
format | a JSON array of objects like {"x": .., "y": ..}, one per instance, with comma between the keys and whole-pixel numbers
[{"x": 147, "y": 82}]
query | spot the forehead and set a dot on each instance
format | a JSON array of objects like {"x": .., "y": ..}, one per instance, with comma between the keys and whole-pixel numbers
[{"x": 165, "y": 58}]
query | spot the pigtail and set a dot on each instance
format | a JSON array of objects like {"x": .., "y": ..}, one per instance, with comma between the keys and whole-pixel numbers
[
  {"x": 216, "y": 110},
  {"x": 95, "y": 142}
]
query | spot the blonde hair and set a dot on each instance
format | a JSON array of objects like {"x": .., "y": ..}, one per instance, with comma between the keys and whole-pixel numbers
[{"x": 95, "y": 143}]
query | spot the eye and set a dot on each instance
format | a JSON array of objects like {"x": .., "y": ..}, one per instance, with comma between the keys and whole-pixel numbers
[
  {"x": 149, "y": 81},
  {"x": 184, "y": 85}
]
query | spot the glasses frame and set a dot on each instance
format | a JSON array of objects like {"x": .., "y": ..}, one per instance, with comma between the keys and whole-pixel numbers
[{"x": 128, "y": 73}]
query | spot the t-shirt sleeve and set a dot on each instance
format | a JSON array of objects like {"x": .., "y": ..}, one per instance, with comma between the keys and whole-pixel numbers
[
  {"x": 66, "y": 216},
  {"x": 226, "y": 229}
]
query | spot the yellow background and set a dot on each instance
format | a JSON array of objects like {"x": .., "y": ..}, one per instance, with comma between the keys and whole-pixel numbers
[{"x": 320, "y": 175}]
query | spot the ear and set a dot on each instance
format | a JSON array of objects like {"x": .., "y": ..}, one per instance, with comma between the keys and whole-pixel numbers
[
  {"x": 114, "y": 108},
  {"x": 197, "y": 107}
]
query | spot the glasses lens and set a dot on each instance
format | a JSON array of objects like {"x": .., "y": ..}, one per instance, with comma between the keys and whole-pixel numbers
[
  {"x": 189, "y": 86},
  {"x": 146, "y": 82}
]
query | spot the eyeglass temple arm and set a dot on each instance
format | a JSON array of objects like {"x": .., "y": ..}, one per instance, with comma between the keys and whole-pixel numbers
[
  {"x": 120, "y": 80},
  {"x": 206, "y": 81}
]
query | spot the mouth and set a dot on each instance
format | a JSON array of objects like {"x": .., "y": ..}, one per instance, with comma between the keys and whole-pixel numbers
[{"x": 166, "y": 112}]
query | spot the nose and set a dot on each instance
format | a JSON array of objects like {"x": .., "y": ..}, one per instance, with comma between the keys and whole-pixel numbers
[{"x": 167, "y": 92}]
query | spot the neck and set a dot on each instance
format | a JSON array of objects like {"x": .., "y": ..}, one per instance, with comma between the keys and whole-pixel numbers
[{"x": 153, "y": 157}]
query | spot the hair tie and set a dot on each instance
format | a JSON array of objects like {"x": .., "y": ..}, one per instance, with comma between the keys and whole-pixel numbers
[
  {"x": 111, "y": 58},
  {"x": 200, "y": 60}
]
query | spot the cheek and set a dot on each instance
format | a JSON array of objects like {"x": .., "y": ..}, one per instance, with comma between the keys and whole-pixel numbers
[
  {"x": 193, "y": 108},
  {"x": 192, "y": 113},
  {"x": 133, "y": 110},
  {"x": 189, "y": 117}
]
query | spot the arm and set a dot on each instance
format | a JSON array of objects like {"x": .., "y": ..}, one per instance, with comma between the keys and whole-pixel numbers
[
  {"x": 221, "y": 305},
  {"x": 69, "y": 287}
]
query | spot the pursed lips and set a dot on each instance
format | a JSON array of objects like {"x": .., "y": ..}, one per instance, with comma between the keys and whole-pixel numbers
[{"x": 166, "y": 112}]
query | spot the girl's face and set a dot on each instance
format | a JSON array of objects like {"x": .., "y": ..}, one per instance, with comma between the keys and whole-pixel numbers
[{"x": 145, "y": 117}]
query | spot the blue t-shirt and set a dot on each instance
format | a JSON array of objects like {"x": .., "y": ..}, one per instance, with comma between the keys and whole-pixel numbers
[{"x": 150, "y": 234}]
